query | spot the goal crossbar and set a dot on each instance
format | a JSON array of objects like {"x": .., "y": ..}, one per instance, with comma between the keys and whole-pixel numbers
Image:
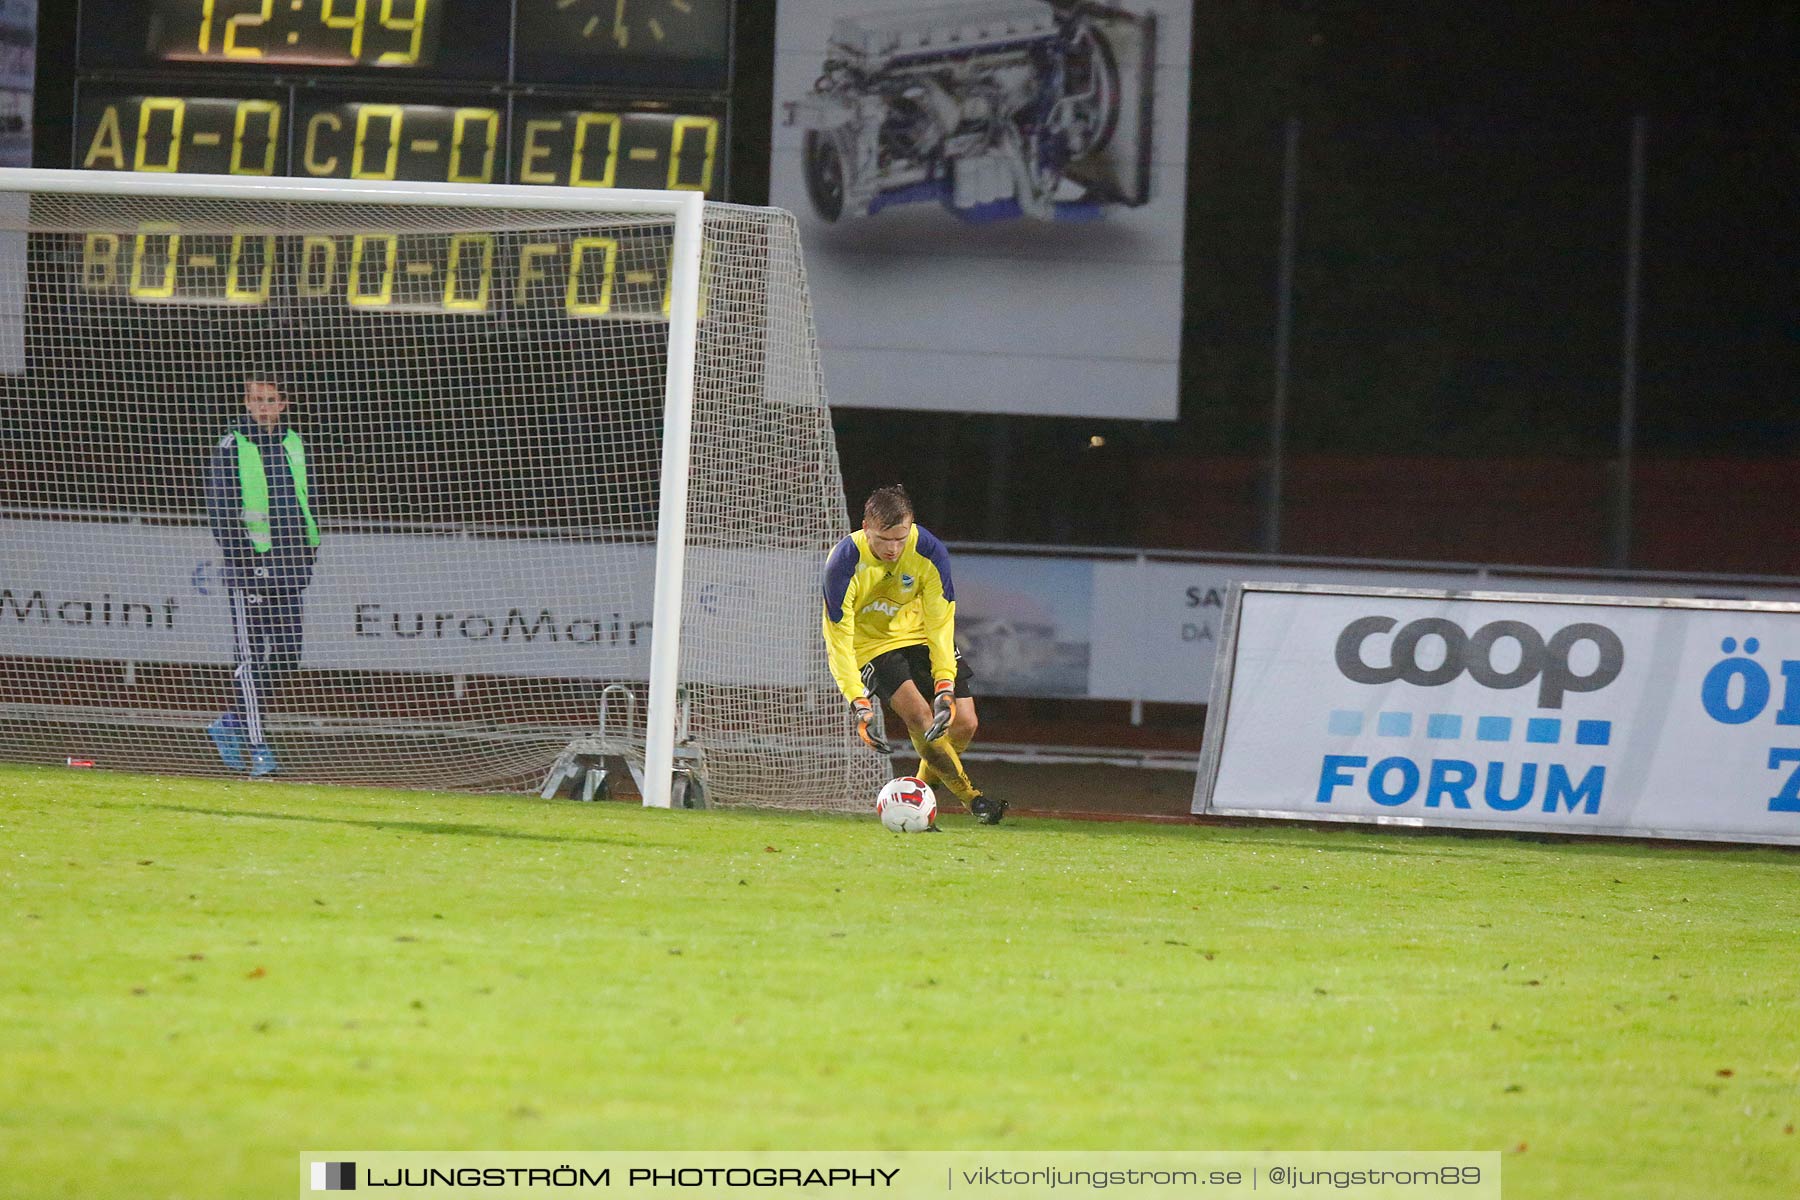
[{"x": 678, "y": 205}]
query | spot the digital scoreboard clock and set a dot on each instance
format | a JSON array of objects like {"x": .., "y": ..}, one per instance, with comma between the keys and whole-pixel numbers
[
  {"x": 580, "y": 93},
  {"x": 453, "y": 39},
  {"x": 331, "y": 33}
]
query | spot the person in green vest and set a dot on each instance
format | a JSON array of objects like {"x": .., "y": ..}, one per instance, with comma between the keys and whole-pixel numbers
[{"x": 261, "y": 504}]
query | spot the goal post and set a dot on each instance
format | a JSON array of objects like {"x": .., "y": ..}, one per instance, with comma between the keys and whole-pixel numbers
[
  {"x": 545, "y": 426},
  {"x": 671, "y": 519}
]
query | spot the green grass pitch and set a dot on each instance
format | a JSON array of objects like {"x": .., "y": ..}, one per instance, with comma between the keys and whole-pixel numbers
[{"x": 198, "y": 980}]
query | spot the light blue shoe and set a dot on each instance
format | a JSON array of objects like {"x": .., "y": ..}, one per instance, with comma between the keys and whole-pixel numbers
[
  {"x": 262, "y": 763},
  {"x": 228, "y": 738}
]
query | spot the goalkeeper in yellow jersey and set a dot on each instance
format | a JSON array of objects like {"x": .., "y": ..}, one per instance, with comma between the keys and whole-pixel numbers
[{"x": 890, "y": 629}]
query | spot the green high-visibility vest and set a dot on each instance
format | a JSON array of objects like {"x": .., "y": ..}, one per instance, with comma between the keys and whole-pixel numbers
[{"x": 253, "y": 485}]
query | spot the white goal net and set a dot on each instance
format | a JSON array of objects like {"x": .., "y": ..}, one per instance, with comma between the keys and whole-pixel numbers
[{"x": 366, "y": 486}]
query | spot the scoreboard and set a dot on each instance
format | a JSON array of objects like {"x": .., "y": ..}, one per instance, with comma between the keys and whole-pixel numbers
[{"x": 581, "y": 93}]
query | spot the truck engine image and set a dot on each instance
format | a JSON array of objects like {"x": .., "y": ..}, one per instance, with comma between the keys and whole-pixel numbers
[{"x": 995, "y": 110}]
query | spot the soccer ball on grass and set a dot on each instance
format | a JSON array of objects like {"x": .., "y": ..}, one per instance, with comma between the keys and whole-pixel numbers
[{"x": 907, "y": 805}]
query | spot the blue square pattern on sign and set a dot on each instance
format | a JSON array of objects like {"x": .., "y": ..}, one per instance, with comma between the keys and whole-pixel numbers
[
  {"x": 1344, "y": 723},
  {"x": 1394, "y": 724},
  {"x": 1443, "y": 726},
  {"x": 1493, "y": 729},
  {"x": 1593, "y": 733},
  {"x": 1544, "y": 730}
]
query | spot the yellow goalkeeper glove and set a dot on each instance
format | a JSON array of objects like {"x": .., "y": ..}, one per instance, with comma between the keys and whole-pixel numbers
[{"x": 864, "y": 712}]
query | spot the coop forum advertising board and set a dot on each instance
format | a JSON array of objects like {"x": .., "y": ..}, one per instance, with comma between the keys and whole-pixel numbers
[
  {"x": 991, "y": 195},
  {"x": 1548, "y": 713}
]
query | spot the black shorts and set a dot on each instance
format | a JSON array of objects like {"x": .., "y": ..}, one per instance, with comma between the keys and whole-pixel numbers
[{"x": 884, "y": 673}]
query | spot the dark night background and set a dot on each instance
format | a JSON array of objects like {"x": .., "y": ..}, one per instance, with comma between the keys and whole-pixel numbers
[{"x": 1459, "y": 298}]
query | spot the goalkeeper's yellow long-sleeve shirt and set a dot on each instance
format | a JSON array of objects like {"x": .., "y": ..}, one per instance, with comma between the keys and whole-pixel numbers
[{"x": 872, "y": 607}]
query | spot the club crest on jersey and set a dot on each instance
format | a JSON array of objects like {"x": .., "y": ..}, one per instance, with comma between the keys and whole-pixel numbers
[{"x": 906, "y": 581}]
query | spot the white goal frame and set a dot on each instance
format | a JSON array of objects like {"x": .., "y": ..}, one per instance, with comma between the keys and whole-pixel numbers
[{"x": 687, "y": 210}]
